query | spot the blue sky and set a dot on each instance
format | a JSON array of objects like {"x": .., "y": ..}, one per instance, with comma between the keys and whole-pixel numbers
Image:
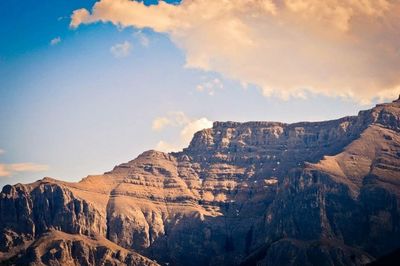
[{"x": 76, "y": 106}]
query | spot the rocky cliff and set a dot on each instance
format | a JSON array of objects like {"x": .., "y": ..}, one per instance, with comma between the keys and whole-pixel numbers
[{"x": 255, "y": 193}]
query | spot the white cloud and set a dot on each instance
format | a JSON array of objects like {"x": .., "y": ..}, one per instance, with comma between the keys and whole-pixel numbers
[
  {"x": 288, "y": 48},
  {"x": 187, "y": 127},
  {"x": 55, "y": 41},
  {"x": 192, "y": 127},
  {"x": 2, "y": 151},
  {"x": 143, "y": 39},
  {"x": 171, "y": 119},
  {"x": 120, "y": 50},
  {"x": 160, "y": 122},
  {"x": 210, "y": 86},
  {"x": 166, "y": 146},
  {"x": 10, "y": 169}
]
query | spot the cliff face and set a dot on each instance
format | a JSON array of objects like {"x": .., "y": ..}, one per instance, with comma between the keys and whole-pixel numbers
[{"x": 242, "y": 193}]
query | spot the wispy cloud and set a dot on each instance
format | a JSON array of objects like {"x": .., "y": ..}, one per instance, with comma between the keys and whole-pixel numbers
[
  {"x": 143, "y": 39},
  {"x": 210, "y": 86},
  {"x": 11, "y": 169},
  {"x": 121, "y": 50},
  {"x": 4, "y": 171},
  {"x": 288, "y": 48},
  {"x": 187, "y": 127},
  {"x": 55, "y": 41}
]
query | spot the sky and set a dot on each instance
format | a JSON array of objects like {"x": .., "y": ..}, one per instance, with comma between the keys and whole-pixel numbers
[{"x": 87, "y": 85}]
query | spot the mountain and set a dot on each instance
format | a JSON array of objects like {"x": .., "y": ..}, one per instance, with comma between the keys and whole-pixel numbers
[{"x": 254, "y": 193}]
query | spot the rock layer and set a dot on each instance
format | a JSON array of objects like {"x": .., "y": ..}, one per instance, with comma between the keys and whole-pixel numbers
[
  {"x": 58, "y": 248},
  {"x": 323, "y": 193}
]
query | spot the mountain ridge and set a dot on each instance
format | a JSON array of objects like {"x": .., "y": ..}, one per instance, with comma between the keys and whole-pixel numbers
[{"x": 314, "y": 192}]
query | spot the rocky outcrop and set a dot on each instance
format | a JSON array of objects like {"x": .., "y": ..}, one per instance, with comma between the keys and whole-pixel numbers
[
  {"x": 27, "y": 211},
  {"x": 58, "y": 248},
  {"x": 250, "y": 193}
]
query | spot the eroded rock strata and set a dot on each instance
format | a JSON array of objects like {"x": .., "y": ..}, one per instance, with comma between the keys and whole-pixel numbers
[{"x": 255, "y": 193}]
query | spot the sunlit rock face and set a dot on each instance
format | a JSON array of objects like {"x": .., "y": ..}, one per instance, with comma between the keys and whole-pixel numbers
[{"x": 255, "y": 193}]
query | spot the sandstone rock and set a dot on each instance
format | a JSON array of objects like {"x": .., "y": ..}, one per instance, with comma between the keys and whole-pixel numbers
[
  {"x": 58, "y": 248},
  {"x": 254, "y": 193}
]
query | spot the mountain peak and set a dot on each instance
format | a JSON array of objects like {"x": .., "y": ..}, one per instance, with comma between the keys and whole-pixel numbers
[{"x": 247, "y": 193}]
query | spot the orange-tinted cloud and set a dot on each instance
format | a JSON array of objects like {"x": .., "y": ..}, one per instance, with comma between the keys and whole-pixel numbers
[
  {"x": 10, "y": 169},
  {"x": 347, "y": 48}
]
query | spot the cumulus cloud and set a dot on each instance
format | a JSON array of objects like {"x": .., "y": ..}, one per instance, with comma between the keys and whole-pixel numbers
[
  {"x": 187, "y": 127},
  {"x": 347, "y": 48},
  {"x": 192, "y": 127},
  {"x": 55, "y": 41},
  {"x": 166, "y": 146},
  {"x": 171, "y": 119},
  {"x": 121, "y": 50},
  {"x": 11, "y": 169}
]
